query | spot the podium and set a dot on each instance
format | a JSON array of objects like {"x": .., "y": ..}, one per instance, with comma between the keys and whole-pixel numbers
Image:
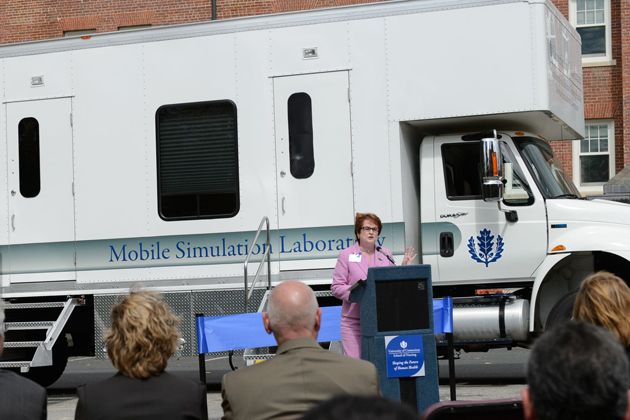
[{"x": 397, "y": 332}]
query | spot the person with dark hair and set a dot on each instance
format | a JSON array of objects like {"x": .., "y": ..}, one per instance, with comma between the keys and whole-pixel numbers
[
  {"x": 142, "y": 338},
  {"x": 353, "y": 407},
  {"x": 302, "y": 374},
  {"x": 352, "y": 266},
  {"x": 20, "y": 398},
  {"x": 577, "y": 371}
]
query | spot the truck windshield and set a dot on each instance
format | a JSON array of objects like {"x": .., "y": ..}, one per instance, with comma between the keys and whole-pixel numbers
[{"x": 547, "y": 171}]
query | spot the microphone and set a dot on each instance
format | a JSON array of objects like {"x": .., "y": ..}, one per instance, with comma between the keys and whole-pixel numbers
[{"x": 391, "y": 260}]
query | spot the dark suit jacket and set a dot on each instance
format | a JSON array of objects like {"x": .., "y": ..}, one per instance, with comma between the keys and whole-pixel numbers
[
  {"x": 21, "y": 398},
  {"x": 165, "y": 396},
  {"x": 301, "y": 375}
]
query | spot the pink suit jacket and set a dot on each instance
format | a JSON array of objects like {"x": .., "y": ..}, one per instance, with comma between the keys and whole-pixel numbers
[{"x": 347, "y": 273}]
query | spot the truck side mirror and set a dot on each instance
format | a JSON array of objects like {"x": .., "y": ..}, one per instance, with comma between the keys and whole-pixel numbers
[{"x": 492, "y": 168}]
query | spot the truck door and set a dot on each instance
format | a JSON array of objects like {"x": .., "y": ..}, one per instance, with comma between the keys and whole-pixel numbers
[
  {"x": 40, "y": 201},
  {"x": 476, "y": 242},
  {"x": 313, "y": 150}
]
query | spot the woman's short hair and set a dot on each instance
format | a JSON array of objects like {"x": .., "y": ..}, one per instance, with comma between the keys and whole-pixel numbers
[
  {"x": 143, "y": 335},
  {"x": 362, "y": 217},
  {"x": 604, "y": 299}
]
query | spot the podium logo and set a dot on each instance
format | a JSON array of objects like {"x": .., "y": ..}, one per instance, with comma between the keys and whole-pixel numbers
[
  {"x": 403, "y": 344},
  {"x": 485, "y": 251}
]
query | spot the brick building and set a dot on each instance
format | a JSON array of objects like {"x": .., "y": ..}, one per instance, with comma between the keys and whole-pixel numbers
[
  {"x": 605, "y": 29},
  {"x": 603, "y": 24}
]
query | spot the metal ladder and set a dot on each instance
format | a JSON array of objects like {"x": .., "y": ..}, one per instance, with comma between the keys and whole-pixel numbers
[
  {"x": 29, "y": 343},
  {"x": 255, "y": 355},
  {"x": 266, "y": 257}
]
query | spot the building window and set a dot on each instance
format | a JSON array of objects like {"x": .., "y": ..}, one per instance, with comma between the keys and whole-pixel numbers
[
  {"x": 594, "y": 157},
  {"x": 131, "y": 28},
  {"x": 28, "y": 146},
  {"x": 82, "y": 32},
  {"x": 591, "y": 18},
  {"x": 197, "y": 160},
  {"x": 302, "y": 158}
]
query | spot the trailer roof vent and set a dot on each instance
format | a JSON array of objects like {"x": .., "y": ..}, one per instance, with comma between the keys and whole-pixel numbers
[
  {"x": 37, "y": 81},
  {"x": 308, "y": 53}
]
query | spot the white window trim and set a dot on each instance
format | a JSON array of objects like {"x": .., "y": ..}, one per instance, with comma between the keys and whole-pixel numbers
[
  {"x": 80, "y": 32},
  {"x": 594, "y": 187},
  {"x": 607, "y": 60}
]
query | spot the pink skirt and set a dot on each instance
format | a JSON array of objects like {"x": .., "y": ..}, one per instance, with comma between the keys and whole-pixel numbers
[{"x": 351, "y": 336}]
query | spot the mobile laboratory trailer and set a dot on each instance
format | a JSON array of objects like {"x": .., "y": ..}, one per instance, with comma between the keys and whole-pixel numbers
[{"x": 153, "y": 155}]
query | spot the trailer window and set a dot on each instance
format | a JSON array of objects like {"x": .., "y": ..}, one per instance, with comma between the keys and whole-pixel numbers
[
  {"x": 302, "y": 159},
  {"x": 462, "y": 173},
  {"x": 197, "y": 160},
  {"x": 28, "y": 145}
]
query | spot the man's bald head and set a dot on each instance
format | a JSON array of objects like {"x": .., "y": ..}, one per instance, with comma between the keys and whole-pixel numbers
[{"x": 292, "y": 312}]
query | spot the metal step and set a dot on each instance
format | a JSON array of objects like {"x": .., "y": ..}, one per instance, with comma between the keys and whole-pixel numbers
[
  {"x": 4, "y": 365},
  {"x": 323, "y": 293},
  {"x": 31, "y": 335},
  {"x": 31, "y": 325},
  {"x": 33, "y": 305},
  {"x": 255, "y": 357},
  {"x": 21, "y": 344}
]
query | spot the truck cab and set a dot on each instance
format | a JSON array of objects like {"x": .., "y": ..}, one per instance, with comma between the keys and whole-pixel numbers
[{"x": 539, "y": 238}]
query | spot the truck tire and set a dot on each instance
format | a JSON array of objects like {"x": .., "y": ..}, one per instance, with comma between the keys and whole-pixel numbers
[
  {"x": 48, "y": 375},
  {"x": 562, "y": 311}
]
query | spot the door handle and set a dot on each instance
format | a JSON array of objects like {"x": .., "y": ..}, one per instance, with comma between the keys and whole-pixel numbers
[
  {"x": 13, "y": 222},
  {"x": 446, "y": 244},
  {"x": 283, "y": 205}
]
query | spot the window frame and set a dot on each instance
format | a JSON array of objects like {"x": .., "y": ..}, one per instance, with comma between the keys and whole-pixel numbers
[
  {"x": 301, "y": 139},
  {"x": 606, "y": 59},
  {"x": 29, "y": 157},
  {"x": 576, "y": 154},
  {"x": 161, "y": 194},
  {"x": 79, "y": 32}
]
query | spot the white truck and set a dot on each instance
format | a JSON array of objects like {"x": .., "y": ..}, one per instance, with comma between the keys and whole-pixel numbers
[{"x": 153, "y": 155}]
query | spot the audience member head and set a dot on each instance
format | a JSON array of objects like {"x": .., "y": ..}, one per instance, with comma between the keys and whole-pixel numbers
[
  {"x": 577, "y": 371},
  {"x": 143, "y": 336},
  {"x": 352, "y": 407},
  {"x": 362, "y": 217},
  {"x": 292, "y": 312},
  {"x": 604, "y": 299}
]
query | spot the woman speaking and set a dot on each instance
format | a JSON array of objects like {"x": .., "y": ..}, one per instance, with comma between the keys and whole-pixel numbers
[{"x": 352, "y": 265}]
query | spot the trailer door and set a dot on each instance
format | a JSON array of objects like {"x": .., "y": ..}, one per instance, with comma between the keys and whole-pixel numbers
[
  {"x": 41, "y": 200},
  {"x": 313, "y": 150}
]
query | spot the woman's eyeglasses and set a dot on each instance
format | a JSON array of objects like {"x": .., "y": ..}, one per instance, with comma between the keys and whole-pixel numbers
[{"x": 369, "y": 229}]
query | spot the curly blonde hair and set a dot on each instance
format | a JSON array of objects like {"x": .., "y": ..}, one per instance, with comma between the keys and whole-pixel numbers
[
  {"x": 604, "y": 299},
  {"x": 143, "y": 335}
]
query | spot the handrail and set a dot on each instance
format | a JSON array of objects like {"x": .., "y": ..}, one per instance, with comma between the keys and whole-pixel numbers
[{"x": 248, "y": 290}]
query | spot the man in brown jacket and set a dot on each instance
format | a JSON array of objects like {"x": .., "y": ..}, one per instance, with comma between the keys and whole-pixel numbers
[{"x": 302, "y": 374}]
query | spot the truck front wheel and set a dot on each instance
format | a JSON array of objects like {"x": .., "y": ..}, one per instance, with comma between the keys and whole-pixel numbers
[{"x": 562, "y": 311}]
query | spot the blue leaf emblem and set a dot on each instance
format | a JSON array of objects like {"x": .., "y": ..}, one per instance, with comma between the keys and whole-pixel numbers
[{"x": 484, "y": 251}]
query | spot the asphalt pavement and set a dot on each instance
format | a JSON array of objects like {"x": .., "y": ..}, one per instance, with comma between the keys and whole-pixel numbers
[{"x": 496, "y": 374}]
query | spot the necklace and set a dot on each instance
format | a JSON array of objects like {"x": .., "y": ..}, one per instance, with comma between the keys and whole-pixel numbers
[{"x": 366, "y": 251}]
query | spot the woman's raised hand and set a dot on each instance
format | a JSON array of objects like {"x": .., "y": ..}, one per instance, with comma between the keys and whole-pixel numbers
[{"x": 409, "y": 256}]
